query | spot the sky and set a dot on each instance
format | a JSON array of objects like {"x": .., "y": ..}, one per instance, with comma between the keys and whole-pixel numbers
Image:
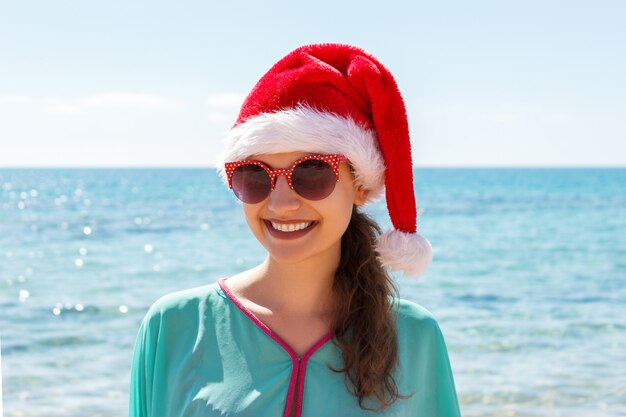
[{"x": 531, "y": 83}]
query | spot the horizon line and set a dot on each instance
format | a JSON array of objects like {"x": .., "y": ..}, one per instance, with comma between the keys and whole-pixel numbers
[{"x": 212, "y": 167}]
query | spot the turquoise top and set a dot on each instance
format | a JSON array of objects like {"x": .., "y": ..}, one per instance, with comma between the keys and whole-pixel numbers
[{"x": 200, "y": 352}]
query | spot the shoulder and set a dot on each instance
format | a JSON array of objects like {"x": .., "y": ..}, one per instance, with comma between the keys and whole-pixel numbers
[
  {"x": 424, "y": 365},
  {"x": 183, "y": 302},
  {"x": 420, "y": 339},
  {"x": 410, "y": 311},
  {"x": 413, "y": 318}
]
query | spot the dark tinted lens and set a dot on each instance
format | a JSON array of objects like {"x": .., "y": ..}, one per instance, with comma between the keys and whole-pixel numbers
[
  {"x": 251, "y": 183},
  {"x": 313, "y": 179}
]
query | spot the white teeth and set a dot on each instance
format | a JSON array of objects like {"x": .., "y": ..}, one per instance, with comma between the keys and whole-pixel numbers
[{"x": 290, "y": 227}]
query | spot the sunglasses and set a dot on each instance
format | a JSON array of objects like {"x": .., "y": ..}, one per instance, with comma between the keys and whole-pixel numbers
[{"x": 313, "y": 177}]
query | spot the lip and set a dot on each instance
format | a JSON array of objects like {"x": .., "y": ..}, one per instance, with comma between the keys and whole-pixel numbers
[
  {"x": 289, "y": 235},
  {"x": 297, "y": 221}
]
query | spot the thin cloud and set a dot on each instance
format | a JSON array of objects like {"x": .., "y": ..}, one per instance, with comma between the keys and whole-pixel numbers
[
  {"x": 221, "y": 117},
  {"x": 109, "y": 100},
  {"x": 223, "y": 107},
  {"x": 505, "y": 118},
  {"x": 560, "y": 117},
  {"x": 15, "y": 99},
  {"x": 125, "y": 99},
  {"x": 63, "y": 108},
  {"x": 494, "y": 114},
  {"x": 226, "y": 100}
]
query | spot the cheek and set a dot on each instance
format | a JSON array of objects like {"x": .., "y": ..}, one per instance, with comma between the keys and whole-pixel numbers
[
  {"x": 338, "y": 211},
  {"x": 251, "y": 214},
  {"x": 345, "y": 194}
]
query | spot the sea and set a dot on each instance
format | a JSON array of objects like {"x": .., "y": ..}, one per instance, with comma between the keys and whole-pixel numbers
[{"x": 528, "y": 280}]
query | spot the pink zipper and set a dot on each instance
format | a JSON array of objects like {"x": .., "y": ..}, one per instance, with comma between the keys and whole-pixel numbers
[
  {"x": 302, "y": 365},
  {"x": 298, "y": 394},
  {"x": 291, "y": 392},
  {"x": 296, "y": 375}
]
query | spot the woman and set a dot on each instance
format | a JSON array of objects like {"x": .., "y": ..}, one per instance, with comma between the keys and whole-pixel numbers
[{"x": 317, "y": 328}]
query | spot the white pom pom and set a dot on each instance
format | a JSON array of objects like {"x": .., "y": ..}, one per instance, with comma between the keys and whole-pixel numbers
[{"x": 407, "y": 252}]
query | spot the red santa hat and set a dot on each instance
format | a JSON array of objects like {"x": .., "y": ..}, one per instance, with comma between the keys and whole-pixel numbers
[{"x": 338, "y": 99}]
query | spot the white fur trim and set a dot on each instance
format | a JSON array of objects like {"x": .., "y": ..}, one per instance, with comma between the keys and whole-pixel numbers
[
  {"x": 408, "y": 252},
  {"x": 309, "y": 130}
]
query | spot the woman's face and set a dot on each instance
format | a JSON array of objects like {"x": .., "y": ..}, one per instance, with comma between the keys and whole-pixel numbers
[{"x": 328, "y": 218}]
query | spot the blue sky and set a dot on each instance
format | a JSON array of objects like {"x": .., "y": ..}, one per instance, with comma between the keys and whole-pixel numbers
[{"x": 486, "y": 83}]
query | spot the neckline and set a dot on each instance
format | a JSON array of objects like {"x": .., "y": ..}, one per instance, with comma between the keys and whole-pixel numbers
[{"x": 259, "y": 323}]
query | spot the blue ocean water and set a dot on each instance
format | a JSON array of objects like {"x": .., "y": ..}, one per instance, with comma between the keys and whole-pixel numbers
[{"x": 528, "y": 280}]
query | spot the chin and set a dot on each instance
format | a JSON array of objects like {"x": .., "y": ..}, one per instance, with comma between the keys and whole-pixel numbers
[{"x": 290, "y": 256}]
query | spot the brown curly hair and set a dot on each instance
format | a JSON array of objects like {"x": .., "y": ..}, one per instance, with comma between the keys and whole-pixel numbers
[{"x": 365, "y": 328}]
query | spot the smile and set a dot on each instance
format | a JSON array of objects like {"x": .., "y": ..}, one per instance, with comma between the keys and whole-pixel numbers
[
  {"x": 290, "y": 227},
  {"x": 289, "y": 231}
]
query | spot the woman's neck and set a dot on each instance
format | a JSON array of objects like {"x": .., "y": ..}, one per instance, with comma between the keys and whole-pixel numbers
[{"x": 300, "y": 289}]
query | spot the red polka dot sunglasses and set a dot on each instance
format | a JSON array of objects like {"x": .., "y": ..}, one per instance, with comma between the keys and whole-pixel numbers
[{"x": 313, "y": 177}]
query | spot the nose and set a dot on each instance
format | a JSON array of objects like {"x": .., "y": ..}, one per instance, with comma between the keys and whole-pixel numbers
[{"x": 283, "y": 199}]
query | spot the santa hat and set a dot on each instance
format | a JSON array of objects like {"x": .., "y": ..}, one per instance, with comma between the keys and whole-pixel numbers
[{"x": 338, "y": 99}]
